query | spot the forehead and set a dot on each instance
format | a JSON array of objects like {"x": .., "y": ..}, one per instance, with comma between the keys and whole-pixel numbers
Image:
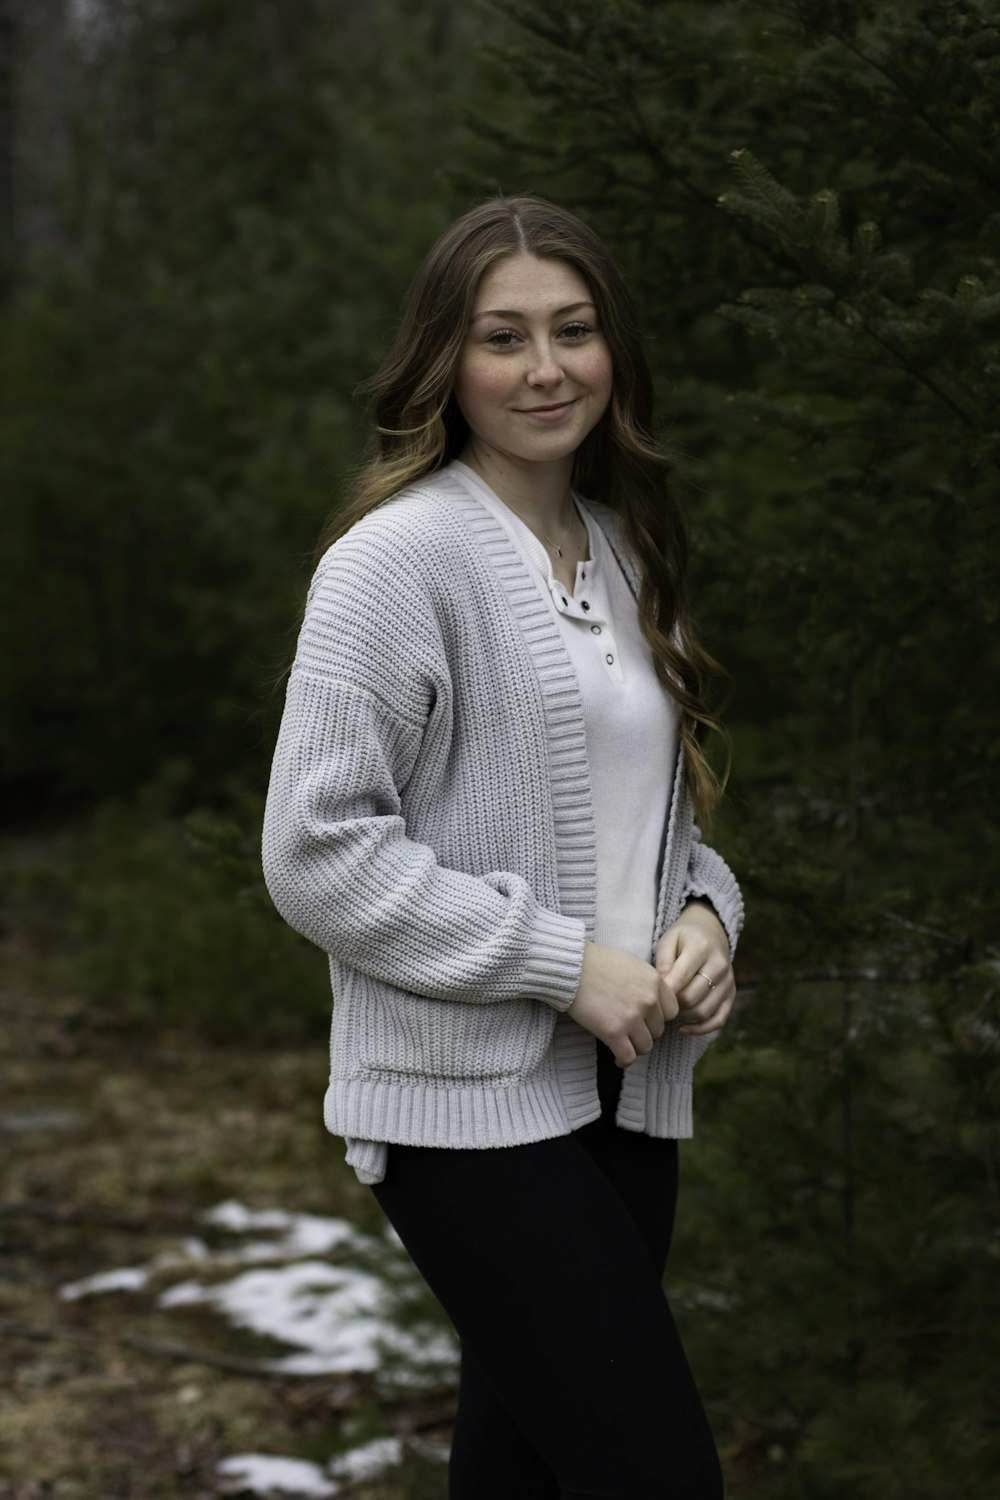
[{"x": 528, "y": 283}]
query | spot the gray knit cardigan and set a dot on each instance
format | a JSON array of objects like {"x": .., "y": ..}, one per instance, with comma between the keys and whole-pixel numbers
[{"x": 429, "y": 826}]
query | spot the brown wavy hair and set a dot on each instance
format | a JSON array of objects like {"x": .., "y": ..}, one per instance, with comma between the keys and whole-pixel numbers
[{"x": 417, "y": 428}]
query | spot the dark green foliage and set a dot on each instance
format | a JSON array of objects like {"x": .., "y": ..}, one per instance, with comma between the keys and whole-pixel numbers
[
  {"x": 177, "y": 409},
  {"x": 163, "y": 921}
]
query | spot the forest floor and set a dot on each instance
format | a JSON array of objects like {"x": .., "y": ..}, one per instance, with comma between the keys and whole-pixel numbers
[{"x": 193, "y": 1288}]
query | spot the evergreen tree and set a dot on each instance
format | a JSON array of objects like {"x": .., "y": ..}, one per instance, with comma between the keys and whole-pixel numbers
[
  {"x": 246, "y": 201},
  {"x": 806, "y": 197}
]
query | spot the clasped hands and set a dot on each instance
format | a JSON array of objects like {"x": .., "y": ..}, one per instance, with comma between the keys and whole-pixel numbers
[{"x": 627, "y": 1003}]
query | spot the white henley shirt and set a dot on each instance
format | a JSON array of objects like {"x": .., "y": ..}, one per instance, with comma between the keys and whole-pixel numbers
[{"x": 630, "y": 722}]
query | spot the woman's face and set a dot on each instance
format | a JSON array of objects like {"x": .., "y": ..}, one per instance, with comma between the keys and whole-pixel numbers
[{"x": 535, "y": 371}]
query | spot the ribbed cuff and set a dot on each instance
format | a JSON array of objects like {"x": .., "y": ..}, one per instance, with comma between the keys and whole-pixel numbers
[
  {"x": 555, "y": 962},
  {"x": 709, "y": 876}
]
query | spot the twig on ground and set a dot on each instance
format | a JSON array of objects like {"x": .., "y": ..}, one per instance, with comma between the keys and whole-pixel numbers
[
  {"x": 52, "y": 1214},
  {"x": 235, "y": 1364}
]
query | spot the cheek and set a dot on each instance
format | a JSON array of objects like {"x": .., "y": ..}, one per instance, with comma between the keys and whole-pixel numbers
[
  {"x": 600, "y": 375},
  {"x": 480, "y": 385}
]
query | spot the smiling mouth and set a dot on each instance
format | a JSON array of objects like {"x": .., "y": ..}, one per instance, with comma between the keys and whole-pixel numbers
[{"x": 556, "y": 406}]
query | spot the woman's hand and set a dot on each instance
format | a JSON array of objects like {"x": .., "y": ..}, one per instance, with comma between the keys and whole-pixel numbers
[
  {"x": 692, "y": 952},
  {"x": 622, "y": 1000}
]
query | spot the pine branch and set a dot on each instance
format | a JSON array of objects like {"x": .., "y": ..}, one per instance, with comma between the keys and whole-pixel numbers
[
  {"x": 914, "y": 103},
  {"x": 814, "y": 238},
  {"x": 916, "y": 372},
  {"x": 935, "y": 932},
  {"x": 648, "y": 143},
  {"x": 835, "y": 976}
]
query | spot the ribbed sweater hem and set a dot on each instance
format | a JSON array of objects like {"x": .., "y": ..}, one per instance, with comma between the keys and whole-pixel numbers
[
  {"x": 420, "y": 1114},
  {"x": 478, "y": 1119},
  {"x": 668, "y": 1109}
]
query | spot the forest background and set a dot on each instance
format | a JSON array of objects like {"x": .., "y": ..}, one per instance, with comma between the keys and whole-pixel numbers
[{"x": 209, "y": 214}]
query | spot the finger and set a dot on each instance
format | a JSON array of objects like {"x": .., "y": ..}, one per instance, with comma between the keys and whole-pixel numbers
[
  {"x": 706, "y": 1007},
  {"x": 696, "y": 956},
  {"x": 641, "y": 1039},
  {"x": 715, "y": 1023},
  {"x": 711, "y": 978},
  {"x": 666, "y": 950},
  {"x": 701, "y": 987},
  {"x": 668, "y": 1001},
  {"x": 696, "y": 1015}
]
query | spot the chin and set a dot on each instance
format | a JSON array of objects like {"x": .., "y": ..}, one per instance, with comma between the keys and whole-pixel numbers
[{"x": 549, "y": 446}]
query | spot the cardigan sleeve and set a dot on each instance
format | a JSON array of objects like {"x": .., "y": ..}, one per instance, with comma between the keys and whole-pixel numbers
[
  {"x": 338, "y": 861},
  {"x": 709, "y": 876}
]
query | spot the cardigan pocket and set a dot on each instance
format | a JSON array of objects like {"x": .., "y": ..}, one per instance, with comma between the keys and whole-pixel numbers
[{"x": 427, "y": 1041}]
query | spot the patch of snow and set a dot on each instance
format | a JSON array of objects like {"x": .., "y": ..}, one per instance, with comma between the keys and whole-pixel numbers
[
  {"x": 125, "y": 1279},
  {"x": 368, "y": 1461},
  {"x": 191, "y": 1248},
  {"x": 134, "y": 1278},
  {"x": 335, "y": 1317},
  {"x": 703, "y": 1297},
  {"x": 234, "y": 1215},
  {"x": 264, "y": 1474},
  {"x": 338, "y": 1317},
  {"x": 299, "y": 1234},
  {"x": 309, "y": 1304}
]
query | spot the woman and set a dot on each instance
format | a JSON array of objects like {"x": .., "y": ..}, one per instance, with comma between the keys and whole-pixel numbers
[{"x": 481, "y": 807}]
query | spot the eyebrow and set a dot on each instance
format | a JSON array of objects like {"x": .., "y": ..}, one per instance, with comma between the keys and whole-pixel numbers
[{"x": 507, "y": 312}]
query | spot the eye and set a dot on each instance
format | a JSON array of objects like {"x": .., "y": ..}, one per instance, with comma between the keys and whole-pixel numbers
[
  {"x": 576, "y": 331},
  {"x": 501, "y": 338}
]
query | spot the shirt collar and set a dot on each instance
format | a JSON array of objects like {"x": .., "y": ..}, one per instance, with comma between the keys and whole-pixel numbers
[{"x": 537, "y": 552}]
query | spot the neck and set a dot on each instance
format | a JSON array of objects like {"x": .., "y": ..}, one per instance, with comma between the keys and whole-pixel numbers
[{"x": 538, "y": 492}]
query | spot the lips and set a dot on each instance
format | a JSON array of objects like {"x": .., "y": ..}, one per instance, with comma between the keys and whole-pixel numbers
[{"x": 556, "y": 406}]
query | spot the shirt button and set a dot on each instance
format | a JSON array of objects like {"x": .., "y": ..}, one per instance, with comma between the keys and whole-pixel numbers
[
  {"x": 610, "y": 659},
  {"x": 596, "y": 629},
  {"x": 584, "y": 604}
]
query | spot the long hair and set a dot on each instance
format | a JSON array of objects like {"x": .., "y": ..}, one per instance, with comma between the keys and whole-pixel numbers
[{"x": 418, "y": 428}]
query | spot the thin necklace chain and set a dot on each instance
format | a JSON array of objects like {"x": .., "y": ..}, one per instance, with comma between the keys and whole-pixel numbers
[{"x": 535, "y": 525}]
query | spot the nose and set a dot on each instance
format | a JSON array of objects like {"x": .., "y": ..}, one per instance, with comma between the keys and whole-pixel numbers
[{"x": 545, "y": 367}]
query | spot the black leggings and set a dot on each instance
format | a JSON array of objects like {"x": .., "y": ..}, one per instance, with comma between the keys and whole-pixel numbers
[{"x": 548, "y": 1259}]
